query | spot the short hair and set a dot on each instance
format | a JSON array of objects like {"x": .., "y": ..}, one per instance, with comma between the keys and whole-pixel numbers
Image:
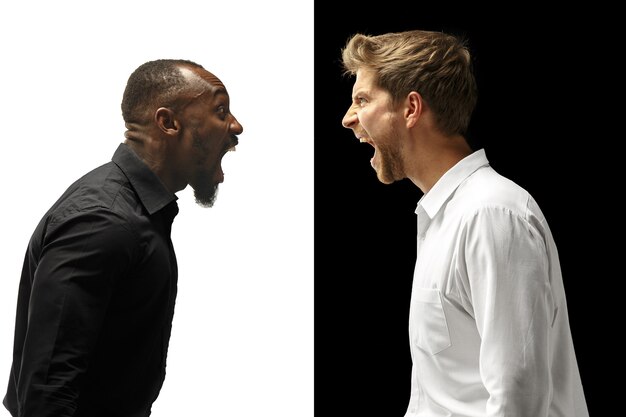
[
  {"x": 435, "y": 64},
  {"x": 154, "y": 83}
]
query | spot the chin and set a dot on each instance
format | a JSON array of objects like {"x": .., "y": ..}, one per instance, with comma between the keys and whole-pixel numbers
[
  {"x": 206, "y": 196},
  {"x": 384, "y": 176}
]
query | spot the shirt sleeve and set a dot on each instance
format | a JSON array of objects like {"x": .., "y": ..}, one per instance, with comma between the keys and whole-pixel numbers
[
  {"x": 508, "y": 273},
  {"x": 82, "y": 256}
]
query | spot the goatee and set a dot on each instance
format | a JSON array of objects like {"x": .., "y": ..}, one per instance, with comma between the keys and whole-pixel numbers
[{"x": 205, "y": 196}]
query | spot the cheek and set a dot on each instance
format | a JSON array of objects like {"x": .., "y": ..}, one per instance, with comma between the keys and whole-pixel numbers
[
  {"x": 203, "y": 142},
  {"x": 364, "y": 117},
  {"x": 212, "y": 155},
  {"x": 370, "y": 119}
]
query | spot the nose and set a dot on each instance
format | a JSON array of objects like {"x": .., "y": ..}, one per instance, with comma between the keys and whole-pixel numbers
[
  {"x": 235, "y": 127},
  {"x": 350, "y": 118}
]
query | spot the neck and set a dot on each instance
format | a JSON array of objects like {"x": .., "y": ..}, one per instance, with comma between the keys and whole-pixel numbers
[
  {"x": 435, "y": 157},
  {"x": 153, "y": 152}
]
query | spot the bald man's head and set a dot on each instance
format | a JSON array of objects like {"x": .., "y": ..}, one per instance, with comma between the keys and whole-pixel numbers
[{"x": 160, "y": 83}]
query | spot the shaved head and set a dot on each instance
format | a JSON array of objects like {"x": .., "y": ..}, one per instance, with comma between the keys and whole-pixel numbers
[{"x": 160, "y": 83}]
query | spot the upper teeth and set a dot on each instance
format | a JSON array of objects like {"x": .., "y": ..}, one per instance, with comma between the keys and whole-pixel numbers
[{"x": 362, "y": 140}]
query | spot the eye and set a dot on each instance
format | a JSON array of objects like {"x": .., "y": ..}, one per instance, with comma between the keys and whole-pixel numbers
[
  {"x": 222, "y": 112},
  {"x": 361, "y": 101}
]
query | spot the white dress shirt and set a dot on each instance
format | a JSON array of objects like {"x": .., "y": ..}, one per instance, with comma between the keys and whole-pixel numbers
[{"x": 488, "y": 326}]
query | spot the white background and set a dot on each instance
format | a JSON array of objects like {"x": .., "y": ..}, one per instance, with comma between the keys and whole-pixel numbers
[{"x": 242, "y": 340}]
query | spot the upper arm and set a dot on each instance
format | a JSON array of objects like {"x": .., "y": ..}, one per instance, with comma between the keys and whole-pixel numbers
[{"x": 508, "y": 279}]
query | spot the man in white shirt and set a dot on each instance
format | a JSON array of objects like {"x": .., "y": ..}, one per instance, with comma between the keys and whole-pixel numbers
[{"x": 488, "y": 327}]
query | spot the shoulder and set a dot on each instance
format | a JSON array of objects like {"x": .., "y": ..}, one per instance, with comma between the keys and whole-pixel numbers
[
  {"x": 102, "y": 201},
  {"x": 96, "y": 224},
  {"x": 491, "y": 203},
  {"x": 487, "y": 191},
  {"x": 104, "y": 189}
]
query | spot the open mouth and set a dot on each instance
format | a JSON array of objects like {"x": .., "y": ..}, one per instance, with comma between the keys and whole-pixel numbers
[
  {"x": 364, "y": 139},
  {"x": 232, "y": 147},
  {"x": 233, "y": 144},
  {"x": 371, "y": 143}
]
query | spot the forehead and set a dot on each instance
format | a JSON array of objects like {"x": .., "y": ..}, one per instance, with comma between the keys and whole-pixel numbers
[
  {"x": 364, "y": 76},
  {"x": 205, "y": 84},
  {"x": 365, "y": 83},
  {"x": 211, "y": 79}
]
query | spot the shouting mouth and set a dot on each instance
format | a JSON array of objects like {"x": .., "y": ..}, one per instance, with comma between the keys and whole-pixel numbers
[
  {"x": 231, "y": 147},
  {"x": 373, "y": 159}
]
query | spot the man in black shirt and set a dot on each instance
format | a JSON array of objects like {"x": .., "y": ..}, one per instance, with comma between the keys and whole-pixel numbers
[{"x": 98, "y": 287}]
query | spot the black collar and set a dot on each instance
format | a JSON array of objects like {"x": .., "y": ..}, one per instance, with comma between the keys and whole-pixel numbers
[{"x": 151, "y": 191}]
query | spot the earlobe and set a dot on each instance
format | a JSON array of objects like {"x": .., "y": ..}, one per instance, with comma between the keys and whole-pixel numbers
[
  {"x": 166, "y": 121},
  {"x": 413, "y": 109}
]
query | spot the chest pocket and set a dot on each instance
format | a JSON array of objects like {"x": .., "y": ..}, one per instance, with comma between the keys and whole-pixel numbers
[{"x": 427, "y": 326}]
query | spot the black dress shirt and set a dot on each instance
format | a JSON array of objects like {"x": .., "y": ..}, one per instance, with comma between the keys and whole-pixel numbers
[{"x": 96, "y": 298}]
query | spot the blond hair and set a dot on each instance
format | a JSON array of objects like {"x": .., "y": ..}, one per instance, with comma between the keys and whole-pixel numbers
[{"x": 435, "y": 64}]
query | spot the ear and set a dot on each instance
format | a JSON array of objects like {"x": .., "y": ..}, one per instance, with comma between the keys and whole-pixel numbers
[
  {"x": 166, "y": 121},
  {"x": 414, "y": 106}
]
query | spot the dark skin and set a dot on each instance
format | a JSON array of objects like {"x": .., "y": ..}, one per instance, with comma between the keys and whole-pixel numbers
[{"x": 185, "y": 146}]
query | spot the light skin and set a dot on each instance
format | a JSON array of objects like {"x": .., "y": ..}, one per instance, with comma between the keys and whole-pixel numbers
[
  {"x": 185, "y": 146},
  {"x": 405, "y": 137}
]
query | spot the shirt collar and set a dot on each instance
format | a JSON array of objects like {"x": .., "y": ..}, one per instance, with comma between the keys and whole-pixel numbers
[
  {"x": 151, "y": 191},
  {"x": 434, "y": 199}
]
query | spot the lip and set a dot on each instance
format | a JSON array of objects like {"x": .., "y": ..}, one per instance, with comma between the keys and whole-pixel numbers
[
  {"x": 233, "y": 143},
  {"x": 364, "y": 139},
  {"x": 231, "y": 146},
  {"x": 360, "y": 137}
]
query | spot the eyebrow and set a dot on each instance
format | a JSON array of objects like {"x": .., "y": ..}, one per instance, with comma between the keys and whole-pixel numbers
[
  {"x": 221, "y": 94},
  {"x": 361, "y": 92}
]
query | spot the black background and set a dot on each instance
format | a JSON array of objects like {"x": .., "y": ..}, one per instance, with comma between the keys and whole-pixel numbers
[{"x": 544, "y": 78}]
